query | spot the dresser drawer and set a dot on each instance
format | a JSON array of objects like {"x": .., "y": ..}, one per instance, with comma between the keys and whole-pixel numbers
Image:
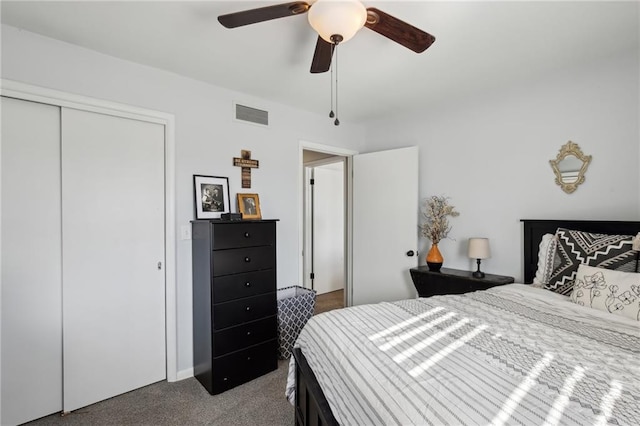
[
  {"x": 234, "y": 235},
  {"x": 242, "y": 366},
  {"x": 245, "y": 335},
  {"x": 230, "y": 287},
  {"x": 234, "y": 261},
  {"x": 242, "y": 310}
]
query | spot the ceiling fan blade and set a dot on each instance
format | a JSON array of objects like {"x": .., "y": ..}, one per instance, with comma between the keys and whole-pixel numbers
[
  {"x": 322, "y": 56},
  {"x": 399, "y": 31},
  {"x": 261, "y": 14}
]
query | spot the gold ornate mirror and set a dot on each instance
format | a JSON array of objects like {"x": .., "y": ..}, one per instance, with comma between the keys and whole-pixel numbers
[{"x": 570, "y": 166}]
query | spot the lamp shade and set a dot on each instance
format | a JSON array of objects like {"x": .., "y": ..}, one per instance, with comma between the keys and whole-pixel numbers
[
  {"x": 341, "y": 17},
  {"x": 479, "y": 248}
]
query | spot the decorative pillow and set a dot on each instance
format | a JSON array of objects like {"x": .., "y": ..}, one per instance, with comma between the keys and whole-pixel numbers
[
  {"x": 546, "y": 256},
  {"x": 610, "y": 291},
  {"x": 600, "y": 250}
]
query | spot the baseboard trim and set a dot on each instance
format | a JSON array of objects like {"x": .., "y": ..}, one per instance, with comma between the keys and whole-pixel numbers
[{"x": 184, "y": 374}]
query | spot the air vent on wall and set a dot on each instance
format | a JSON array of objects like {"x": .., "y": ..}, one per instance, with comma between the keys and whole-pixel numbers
[{"x": 251, "y": 115}]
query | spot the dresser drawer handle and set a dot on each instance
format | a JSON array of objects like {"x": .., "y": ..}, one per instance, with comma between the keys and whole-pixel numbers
[
  {"x": 247, "y": 235},
  {"x": 248, "y": 333},
  {"x": 247, "y": 259},
  {"x": 247, "y": 284},
  {"x": 248, "y": 308},
  {"x": 248, "y": 358}
]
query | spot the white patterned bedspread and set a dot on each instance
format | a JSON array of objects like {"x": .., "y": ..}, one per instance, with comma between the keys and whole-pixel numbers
[{"x": 509, "y": 355}]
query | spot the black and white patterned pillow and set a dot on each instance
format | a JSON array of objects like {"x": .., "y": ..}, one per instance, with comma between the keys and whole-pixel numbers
[
  {"x": 615, "y": 292},
  {"x": 575, "y": 248}
]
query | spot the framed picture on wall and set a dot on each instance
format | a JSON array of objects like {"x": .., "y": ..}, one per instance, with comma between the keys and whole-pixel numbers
[
  {"x": 211, "y": 195},
  {"x": 249, "y": 206}
]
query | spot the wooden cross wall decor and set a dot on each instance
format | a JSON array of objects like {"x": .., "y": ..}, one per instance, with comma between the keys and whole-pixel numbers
[{"x": 247, "y": 164}]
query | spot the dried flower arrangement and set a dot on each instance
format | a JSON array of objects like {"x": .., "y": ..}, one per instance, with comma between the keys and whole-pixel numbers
[{"x": 436, "y": 226}]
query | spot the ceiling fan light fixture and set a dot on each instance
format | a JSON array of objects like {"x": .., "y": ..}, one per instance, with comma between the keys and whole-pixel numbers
[{"x": 337, "y": 17}]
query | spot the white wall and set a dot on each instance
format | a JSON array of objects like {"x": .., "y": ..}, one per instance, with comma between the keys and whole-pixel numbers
[
  {"x": 309, "y": 156},
  {"x": 206, "y": 139},
  {"x": 490, "y": 153}
]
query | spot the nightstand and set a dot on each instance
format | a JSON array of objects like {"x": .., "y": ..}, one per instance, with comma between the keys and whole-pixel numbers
[{"x": 452, "y": 281}]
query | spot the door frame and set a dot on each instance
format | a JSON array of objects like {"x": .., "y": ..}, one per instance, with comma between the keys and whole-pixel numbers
[
  {"x": 18, "y": 90},
  {"x": 347, "y": 154}
]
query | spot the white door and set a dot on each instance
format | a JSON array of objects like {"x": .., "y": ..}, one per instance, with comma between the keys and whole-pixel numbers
[
  {"x": 385, "y": 225},
  {"x": 328, "y": 227},
  {"x": 31, "y": 312},
  {"x": 113, "y": 245}
]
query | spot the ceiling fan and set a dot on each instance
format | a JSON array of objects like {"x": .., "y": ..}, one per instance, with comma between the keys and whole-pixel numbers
[{"x": 335, "y": 21}]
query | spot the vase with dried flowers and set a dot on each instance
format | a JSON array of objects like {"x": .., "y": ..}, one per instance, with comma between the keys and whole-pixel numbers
[{"x": 436, "y": 210}]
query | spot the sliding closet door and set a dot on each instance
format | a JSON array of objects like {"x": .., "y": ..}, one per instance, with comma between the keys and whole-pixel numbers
[
  {"x": 113, "y": 263},
  {"x": 31, "y": 312}
]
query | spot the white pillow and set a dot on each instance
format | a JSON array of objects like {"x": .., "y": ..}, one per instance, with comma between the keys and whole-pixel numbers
[
  {"x": 611, "y": 291},
  {"x": 546, "y": 255}
]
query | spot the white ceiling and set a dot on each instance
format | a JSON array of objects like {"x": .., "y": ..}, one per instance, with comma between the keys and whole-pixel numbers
[{"x": 479, "y": 45}]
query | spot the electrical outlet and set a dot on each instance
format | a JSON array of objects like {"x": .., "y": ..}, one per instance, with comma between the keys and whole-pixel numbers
[{"x": 185, "y": 232}]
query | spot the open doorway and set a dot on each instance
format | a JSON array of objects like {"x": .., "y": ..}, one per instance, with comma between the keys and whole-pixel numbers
[
  {"x": 325, "y": 212},
  {"x": 374, "y": 272},
  {"x": 325, "y": 205}
]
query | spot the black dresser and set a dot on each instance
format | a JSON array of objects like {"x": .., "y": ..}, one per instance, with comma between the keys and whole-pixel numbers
[{"x": 234, "y": 302}]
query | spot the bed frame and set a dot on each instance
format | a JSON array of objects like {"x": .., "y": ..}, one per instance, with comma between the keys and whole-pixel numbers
[
  {"x": 311, "y": 405},
  {"x": 535, "y": 229}
]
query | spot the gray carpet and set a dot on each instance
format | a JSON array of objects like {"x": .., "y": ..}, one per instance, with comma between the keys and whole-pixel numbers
[{"x": 259, "y": 402}]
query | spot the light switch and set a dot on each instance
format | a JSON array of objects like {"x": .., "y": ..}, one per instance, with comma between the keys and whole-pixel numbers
[{"x": 185, "y": 232}]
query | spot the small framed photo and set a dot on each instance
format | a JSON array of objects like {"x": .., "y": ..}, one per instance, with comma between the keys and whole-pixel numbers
[
  {"x": 249, "y": 206},
  {"x": 211, "y": 194}
]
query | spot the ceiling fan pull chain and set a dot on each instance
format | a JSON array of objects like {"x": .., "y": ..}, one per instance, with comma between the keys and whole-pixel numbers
[
  {"x": 331, "y": 114},
  {"x": 336, "y": 122}
]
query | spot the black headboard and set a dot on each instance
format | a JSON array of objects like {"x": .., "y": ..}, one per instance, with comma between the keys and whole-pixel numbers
[{"x": 535, "y": 229}]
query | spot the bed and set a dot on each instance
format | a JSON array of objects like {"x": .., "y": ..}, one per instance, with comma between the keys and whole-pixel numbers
[{"x": 513, "y": 354}]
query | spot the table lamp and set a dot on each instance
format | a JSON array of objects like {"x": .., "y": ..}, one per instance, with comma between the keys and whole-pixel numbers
[{"x": 479, "y": 249}]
